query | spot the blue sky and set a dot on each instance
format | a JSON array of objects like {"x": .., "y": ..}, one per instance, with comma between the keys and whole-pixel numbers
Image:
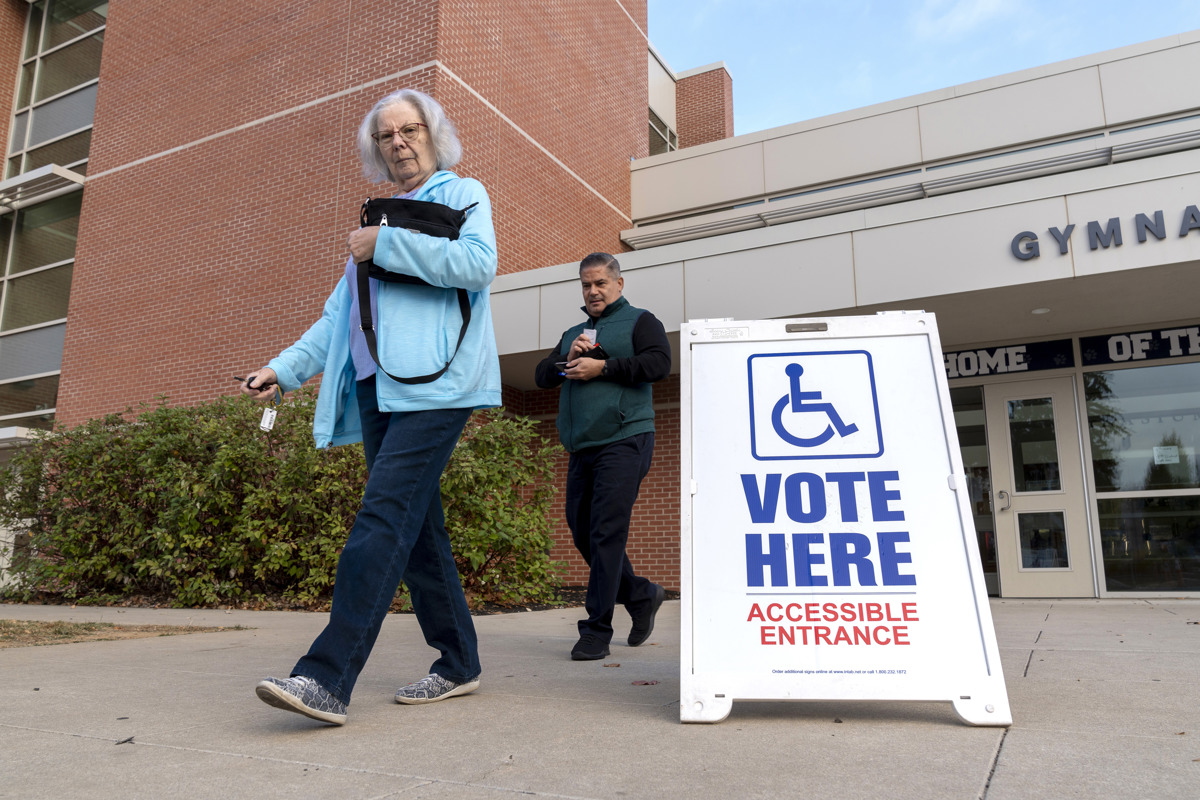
[{"x": 793, "y": 60}]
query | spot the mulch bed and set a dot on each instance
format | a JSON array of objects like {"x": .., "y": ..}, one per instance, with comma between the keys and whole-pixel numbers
[{"x": 25, "y": 633}]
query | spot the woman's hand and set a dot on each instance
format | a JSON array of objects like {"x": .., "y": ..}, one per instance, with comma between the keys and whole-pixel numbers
[
  {"x": 362, "y": 243},
  {"x": 262, "y": 384}
]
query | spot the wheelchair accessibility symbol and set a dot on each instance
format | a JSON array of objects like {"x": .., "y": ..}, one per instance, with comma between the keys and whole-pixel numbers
[
  {"x": 814, "y": 405},
  {"x": 797, "y": 398}
]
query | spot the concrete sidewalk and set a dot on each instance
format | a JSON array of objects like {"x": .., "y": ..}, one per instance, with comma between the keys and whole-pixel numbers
[{"x": 1105, "y": 698}]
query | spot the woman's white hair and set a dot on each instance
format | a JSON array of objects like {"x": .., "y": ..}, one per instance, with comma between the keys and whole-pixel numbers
[{"x": 441, "y": 130}]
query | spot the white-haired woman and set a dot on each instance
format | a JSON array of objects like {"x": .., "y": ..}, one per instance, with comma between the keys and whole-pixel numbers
[{"x": 408, "y": 430}]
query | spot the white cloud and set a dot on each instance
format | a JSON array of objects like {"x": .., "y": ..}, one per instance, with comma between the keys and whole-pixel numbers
[{"x": 954, "y": 19}]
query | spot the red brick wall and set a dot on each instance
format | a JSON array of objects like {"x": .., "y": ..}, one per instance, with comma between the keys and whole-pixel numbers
[
  {"x": 12, "y": 36},
  {"x": 704, "y": 107},
  {"x": 196, "y": 263},
  {"x": 556, "y": 71},
  {"x": 168, "y": 79}
]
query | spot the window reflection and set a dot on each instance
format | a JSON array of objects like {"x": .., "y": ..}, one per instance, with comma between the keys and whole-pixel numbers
[
  {"x": 32, "y": 394},
  {"x": 1034, "y": 448},
  {"x": 72, "y": 18},
  {"x": 969, "y": 420},
  {"x": 1144, "y": 426},
  {"x": 33, "y": 299},
  {"x": 69, "y": 67},
  {"x": 1043, "y": 537},
  {"x": 46, "y": 233},
  {"x": 1151, "y": 544}
]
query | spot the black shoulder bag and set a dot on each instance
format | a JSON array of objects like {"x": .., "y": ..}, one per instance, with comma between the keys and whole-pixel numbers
[{"x": 420, "y": 216}]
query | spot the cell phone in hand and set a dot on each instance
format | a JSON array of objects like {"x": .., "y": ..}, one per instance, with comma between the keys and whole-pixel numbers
[{"x": 597, "y": 351}]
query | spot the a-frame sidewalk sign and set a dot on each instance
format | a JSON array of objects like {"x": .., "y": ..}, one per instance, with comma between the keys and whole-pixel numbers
[{"x": 828, "y": 549}]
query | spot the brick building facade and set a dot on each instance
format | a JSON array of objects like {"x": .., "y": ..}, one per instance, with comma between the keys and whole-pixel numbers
[
  {"x": 222, "y": 180},
  {"x": 12, "y": 28},
  {"x": 704, "y": 105},
  {"x": 245, "y": 182}
]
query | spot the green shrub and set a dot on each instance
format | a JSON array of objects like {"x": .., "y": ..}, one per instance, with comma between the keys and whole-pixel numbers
[
  {"x": 197, "y": 506},
  {"x": 497, "y": 491}
]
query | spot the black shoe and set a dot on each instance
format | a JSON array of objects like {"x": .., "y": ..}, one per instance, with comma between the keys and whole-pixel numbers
[
  {"x": 643, "y": 621},
  {"x": 589, "y": 648}
]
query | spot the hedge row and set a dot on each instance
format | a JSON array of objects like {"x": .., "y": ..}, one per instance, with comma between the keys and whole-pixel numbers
[{"x": 196, "y": 506}]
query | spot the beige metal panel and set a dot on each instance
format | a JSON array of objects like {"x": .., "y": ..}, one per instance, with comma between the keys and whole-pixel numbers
[
  {"x": 1061, "y": 185},
  {"x": 1171, "y": 196},
  {"x": 788, "y": 279},
  {"x": 858, "y": 147},
  {"x": 719, "y": 177},
  {"x": 954, "y": 253},
  {"x": 1150, "y": 85},
  {"x": 659, "y": 290},
  {"x": 1057, "y": 105},
  {"x": 662, "y": 91},
  {"x": 561, "y": 308},
  {"x": 515, "y": 320},
  {"x": 1067, "y": 65},
  {"x": 559, "y": 273}
]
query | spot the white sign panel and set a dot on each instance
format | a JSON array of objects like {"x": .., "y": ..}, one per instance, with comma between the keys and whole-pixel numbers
[{"x": 828, "y": 548}]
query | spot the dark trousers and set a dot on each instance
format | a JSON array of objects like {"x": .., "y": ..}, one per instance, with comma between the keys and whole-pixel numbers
[
  {"x": 602, "y": 486},
  {"x": 399, "y": 533}
]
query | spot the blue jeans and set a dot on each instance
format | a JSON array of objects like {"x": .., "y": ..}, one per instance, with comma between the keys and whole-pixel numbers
[
  {"x": 602, "y": 486},
  {"x": 399, "y": 534}
]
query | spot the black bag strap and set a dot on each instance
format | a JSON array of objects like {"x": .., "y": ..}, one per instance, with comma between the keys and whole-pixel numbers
[
  {"x": 368, "y": 327},
  {"x": 432, "y": 219},
  {"x": 423, "y": 216}
]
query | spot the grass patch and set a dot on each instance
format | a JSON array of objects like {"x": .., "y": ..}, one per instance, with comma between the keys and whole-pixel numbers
[{"x": 24, "y": 633}]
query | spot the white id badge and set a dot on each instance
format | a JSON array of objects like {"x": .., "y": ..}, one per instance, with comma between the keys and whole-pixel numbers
[{"x": 268, "y": 419}]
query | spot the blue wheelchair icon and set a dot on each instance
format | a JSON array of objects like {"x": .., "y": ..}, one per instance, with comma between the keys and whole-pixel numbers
[{"x": 801, "y": 403}]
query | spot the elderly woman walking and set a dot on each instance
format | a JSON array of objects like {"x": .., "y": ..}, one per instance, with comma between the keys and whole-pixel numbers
[{"x": 408, "y": 429}]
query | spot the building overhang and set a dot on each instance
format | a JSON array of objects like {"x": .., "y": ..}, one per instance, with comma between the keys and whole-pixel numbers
[
  {"x": 37, "y": 185},
  {"x": 15, "y": 436}
]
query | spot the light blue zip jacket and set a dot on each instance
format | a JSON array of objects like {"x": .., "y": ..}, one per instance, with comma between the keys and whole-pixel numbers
[{"x": 418, "y": 325}]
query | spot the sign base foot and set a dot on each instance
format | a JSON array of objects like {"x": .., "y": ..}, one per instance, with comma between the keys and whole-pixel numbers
[
  {"x": 712, "y": 708},
  {"x": 981, "y": 711}
]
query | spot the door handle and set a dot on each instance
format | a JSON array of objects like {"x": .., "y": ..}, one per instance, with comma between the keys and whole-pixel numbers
[{"x": 1003, "y": 495}]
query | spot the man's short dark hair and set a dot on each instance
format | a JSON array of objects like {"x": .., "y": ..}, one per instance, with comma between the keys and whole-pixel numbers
[{"x": 601, "y": 260}]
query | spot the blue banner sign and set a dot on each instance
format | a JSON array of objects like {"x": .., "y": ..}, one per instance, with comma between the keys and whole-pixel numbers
[
  {"x": 1120, "y": 348},
  {"x": 1029, "y": 357}
]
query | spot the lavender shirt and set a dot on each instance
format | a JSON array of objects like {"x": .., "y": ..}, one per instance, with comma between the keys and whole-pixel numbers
[{"x": 364, "y": 365}]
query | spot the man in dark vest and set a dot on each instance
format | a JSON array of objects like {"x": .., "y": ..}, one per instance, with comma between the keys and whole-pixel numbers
[{"x": 605, "y": 366}]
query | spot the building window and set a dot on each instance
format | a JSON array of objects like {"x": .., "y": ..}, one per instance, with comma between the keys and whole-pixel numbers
[
  {"x": 52, "y": 122},
  {"x": 662, "y": 138},
  {"x": 39, "y": 253},
  {"x": 56, "y": 95},
  {"x": 1145, "y": 436}
]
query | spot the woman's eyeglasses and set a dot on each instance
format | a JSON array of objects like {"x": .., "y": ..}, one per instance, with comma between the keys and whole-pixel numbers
[{"x": 408, "y": 133}]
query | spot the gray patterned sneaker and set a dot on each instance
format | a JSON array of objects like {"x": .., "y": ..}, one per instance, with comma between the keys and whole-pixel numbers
[
  {"x": 433, "y": 687},
  {"x": 304, "y": 696}
]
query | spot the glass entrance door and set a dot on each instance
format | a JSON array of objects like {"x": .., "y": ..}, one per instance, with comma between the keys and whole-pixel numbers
[
  {"x": 971, "y": 424},
  {"x": 1042, "y": 543}
]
